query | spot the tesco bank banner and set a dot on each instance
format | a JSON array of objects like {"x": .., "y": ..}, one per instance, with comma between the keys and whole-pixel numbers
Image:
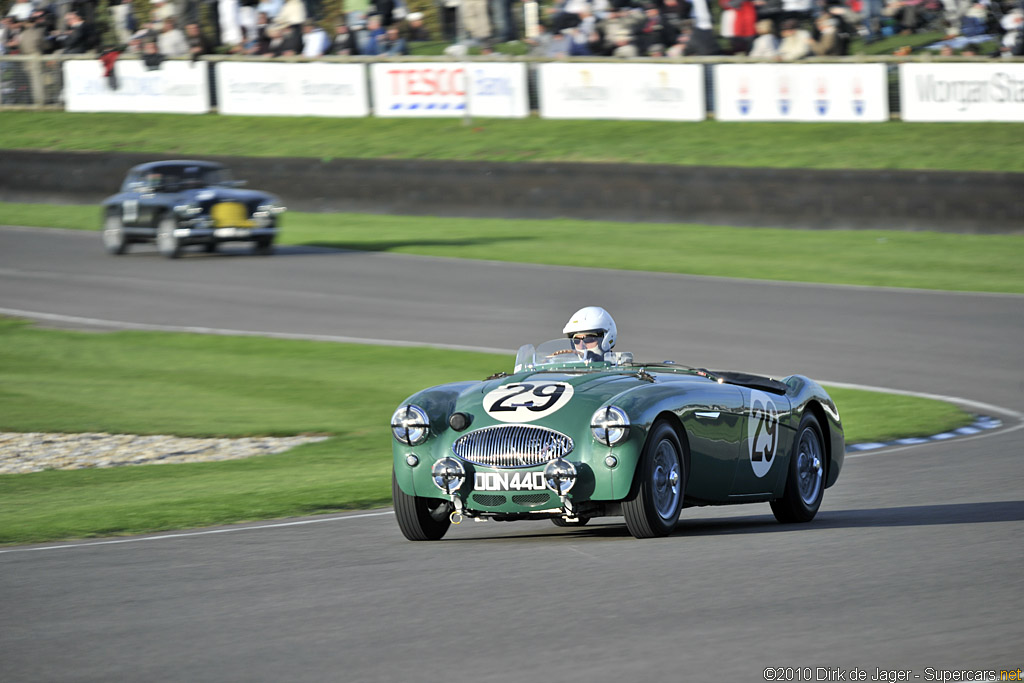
[
  {"x": 306, "y": 89},
  {"x": 657, "y": 92},
  {"x": 404, "y": 89},
  {"x": 801, "y": 92},
  {"x": 174, "y": 88},
  {"x": 962, "y": 92}
]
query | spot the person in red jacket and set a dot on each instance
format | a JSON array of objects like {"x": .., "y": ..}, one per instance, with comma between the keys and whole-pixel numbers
[{"x": 738, "y": 20}]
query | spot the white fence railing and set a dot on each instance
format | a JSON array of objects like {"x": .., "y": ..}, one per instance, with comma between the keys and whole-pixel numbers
[{"x": 868, "y": 90}]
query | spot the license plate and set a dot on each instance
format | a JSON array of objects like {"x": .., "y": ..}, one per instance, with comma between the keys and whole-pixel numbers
[{"x": 509, "y": 481}]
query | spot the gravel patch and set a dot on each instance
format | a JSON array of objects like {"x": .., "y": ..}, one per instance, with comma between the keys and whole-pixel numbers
[{"x": 35, "y": 451}]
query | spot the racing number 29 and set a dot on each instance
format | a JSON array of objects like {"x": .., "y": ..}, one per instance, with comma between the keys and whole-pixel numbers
[
  {"x": 767, "y": 424},
  {"x": 549, "y": 393}
]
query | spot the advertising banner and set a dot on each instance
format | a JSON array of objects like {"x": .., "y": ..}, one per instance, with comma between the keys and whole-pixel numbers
[
  {"x": 801, "y": 92},
  {"x": 174, "y": 88},
  {"x": 304, "y": 89},
  {"x": 962, "y": 92},
  {"x": 657, "y": 92},
  {"x": 415, "y": 89}
]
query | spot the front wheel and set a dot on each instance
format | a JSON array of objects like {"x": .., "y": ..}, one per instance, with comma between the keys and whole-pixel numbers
[
  {"x": 805, "y": 478},
  {"x": 264, "y": 246},
  {"x": 114, "y": 239},
  {"x": 167, "y": 243},
  {"x": 656, "y": 500},
  {"x": 420, "y": 519}
]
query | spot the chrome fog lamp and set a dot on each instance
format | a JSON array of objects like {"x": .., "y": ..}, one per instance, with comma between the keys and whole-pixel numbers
[
  {"x": 560, "y": 476},
  {"x": 610, "y": 461},
  {"x": 610, "y": 425},
  {"x": 448, "y": 474},
  {"x": 412, "y": 460},
  {"x": 410, "y": 425}
]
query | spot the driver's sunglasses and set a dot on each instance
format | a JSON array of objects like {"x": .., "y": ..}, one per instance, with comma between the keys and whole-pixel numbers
[{"x": 586, "y": 340}]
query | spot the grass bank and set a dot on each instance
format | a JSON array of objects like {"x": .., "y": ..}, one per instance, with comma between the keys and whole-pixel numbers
[
  {"x": 184, "y": 384},
  {"x": 893, "y": 145},
  {"x": 982, "y": 263}
]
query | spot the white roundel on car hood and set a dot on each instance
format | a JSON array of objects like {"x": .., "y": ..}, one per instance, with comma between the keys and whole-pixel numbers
[{"x": 527, "y": 401}]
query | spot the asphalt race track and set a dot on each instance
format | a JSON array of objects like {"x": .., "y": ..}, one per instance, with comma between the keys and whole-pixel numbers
[{"x": 913, "y": 563}]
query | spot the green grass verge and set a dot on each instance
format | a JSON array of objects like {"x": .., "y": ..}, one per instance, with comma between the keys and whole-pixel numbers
[
  {"x": 146, "y": 382},
  {"x": 928, "y": 260},
  {"x": 894, "y": 145}
]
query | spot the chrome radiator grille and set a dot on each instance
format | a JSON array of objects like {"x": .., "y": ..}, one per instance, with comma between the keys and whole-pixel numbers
[{"x": 507, "y": 446}]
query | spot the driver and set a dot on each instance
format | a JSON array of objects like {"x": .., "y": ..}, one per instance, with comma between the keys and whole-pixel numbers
[{"x": 592, "y": 332}]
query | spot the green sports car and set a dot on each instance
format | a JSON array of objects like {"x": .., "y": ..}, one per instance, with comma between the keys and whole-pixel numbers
[{"x": 569, "y": 440}]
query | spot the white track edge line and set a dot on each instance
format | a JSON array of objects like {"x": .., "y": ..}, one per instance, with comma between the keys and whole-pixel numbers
[
  {"x": 207, "y": 532},
  {"x": 148, "y": 327}
]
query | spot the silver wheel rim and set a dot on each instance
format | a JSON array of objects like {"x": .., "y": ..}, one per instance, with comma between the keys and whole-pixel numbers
[
  {"x": 113, "y": 233},
  {"x": 666, "y": 480},
  {"x": 809, "y": 467}
]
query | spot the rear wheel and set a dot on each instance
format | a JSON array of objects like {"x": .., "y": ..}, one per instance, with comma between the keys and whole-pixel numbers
[
  {"x": 114, "y": 239},
  {"x": 420, "y": 519},
  {"x": 805, "y": 480},
  {"x": 166, "y": 242},
  {"x": 657, "y": 497}
]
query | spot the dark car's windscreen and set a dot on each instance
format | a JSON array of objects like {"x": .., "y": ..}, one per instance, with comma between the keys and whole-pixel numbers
[{"x": 177, "y": 178}]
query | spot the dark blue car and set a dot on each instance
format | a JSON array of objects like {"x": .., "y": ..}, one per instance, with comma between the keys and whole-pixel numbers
[{"x": 178, "y": 203}]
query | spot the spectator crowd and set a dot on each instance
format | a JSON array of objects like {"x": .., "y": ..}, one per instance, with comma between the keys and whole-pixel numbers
[{"x": 784, "y": 30}]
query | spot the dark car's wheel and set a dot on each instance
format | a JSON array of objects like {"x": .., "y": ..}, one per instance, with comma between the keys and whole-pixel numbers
[
  {"x": 264, "y": 246},
  {"x": 420, "y": 519},
  {"x": 166, "y": 242},
  {"x": 657, "y": 497},
  {"x": 805, "y": 480},
  {"x": 114, "y": 239}
]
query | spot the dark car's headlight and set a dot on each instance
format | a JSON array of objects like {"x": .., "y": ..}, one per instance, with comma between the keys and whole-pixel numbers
[
  {"x": 610, "y": 425},
  {"x": 267, "y": 210},
  {"x": 188, "y": 210},
  {"x": 410, "y": 425}
]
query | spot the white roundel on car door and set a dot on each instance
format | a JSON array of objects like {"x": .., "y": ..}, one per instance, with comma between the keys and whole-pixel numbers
[
  {"x": 763, "y": 432},
  {"x": 527, "y": 401}
]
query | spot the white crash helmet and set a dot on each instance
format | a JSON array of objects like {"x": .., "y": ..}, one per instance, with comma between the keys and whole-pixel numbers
[{"x": 593, "y": 319}]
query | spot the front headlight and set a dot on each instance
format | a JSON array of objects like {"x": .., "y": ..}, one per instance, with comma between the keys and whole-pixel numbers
[
  {"x": 268, "y": 210},
  {"x": 410, "y": 425},
  {"x": 610, "y": 425},
  {"x": 188, "y": 210}
]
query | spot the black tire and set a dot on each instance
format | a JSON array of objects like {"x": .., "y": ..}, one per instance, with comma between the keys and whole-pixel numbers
[
  {"x": 805, "y": 477},
  {"x": 114, "y": 239},
  {"x": 420, "y": 519},
  {"x": 559, "y": 521},
  {"x": 656, "y": 499},
  {"x": 263, "y": 246},
  {"x": 211, "y": 247},
  {"x": 167, "y": 244}
]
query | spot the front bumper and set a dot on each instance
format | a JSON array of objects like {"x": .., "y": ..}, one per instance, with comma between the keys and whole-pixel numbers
[
  {"x": 206, "y": 233},
  {"x": 519, "y": 491}
]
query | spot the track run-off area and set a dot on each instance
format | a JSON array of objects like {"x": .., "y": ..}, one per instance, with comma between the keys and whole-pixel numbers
[{"x": 912, "y": 564}]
